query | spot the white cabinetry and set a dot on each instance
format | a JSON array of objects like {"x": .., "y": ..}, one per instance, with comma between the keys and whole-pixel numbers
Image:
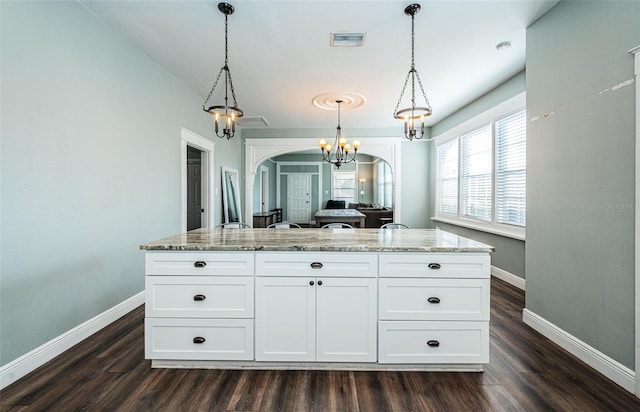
[
  {"x": 329, "y": 317},
  {"x": 434, "y": 308},
  {"x": 414, "y": 310},
  {"x": 199, "y": 306}
]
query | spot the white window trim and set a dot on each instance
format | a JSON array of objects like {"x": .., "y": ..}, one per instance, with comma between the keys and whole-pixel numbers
[
  {"x": 490, "y": 116},
  {"x": 514, "y": 232}
]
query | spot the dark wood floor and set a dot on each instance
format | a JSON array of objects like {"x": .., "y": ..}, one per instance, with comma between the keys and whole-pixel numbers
[{"x": 108, "y": 372}]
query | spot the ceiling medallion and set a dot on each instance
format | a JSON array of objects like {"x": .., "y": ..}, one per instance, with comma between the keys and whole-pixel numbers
[{"x": 327, "y": 101}]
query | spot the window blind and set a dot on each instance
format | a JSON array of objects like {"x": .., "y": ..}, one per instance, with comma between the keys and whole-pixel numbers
[
  {"x": 447, "y": 178},
  {"x": 511, "y": 169},
  {"x": 476, "y": 174}
]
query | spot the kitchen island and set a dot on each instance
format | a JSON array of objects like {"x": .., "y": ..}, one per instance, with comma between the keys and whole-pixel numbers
[{"x": 317, "y": 299}]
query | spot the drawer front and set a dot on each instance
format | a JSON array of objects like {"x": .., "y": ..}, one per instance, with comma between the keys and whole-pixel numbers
[
  {"x": 433, "y": 342},
  {"x": 435, "y": 265},
  {"x": 199, "y": 296},
  {"x": 198, "y": 339},
  {"x": 433, "y": 299},
  {"x": 317, "y": 264},
  {"x": 198, "y": 263}
]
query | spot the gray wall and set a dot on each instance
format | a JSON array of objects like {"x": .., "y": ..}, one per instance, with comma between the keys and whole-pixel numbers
[
  {"x": 580, "y": 172},
  {"x": 90, "y": 168},
  {"x": 510, "y": 253}
]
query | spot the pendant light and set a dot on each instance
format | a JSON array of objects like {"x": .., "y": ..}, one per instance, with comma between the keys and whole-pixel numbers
[
  {"x": 224, "y": 115},
  {"x": 341, "y": 152},
  {"x": 413, "y": 116}
]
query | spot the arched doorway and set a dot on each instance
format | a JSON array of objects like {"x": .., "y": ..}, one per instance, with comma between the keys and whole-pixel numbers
[{"x": 259, "y": 150}]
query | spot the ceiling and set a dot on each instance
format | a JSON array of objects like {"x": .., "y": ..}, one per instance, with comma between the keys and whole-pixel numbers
[{"x": 280, "y": 55}]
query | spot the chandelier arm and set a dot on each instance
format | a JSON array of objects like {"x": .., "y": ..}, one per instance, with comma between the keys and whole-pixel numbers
[
  {"x": 422, "y": 89},
  {"x": 212, "y": 89},
  {"x": 233, "y": 92},
  {"x": 404, "y": 86}
]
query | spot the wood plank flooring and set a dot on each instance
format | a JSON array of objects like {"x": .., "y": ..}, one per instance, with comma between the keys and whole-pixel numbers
[{"x": 527, "y": 372}]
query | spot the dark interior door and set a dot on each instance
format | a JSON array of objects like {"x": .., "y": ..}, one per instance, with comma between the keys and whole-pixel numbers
[{"x": 194, "y": 188}]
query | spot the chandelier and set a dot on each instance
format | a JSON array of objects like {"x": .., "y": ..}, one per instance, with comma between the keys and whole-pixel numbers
[
  {"x": 340, "y": 153},
  {"x": 224, "y": 115},
  {"x": 413, "y": 116}
]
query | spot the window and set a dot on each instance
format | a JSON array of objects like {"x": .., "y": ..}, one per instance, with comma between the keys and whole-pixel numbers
[
  {"x": 344, "y": 186},
  {"x": 481, "y": 176},
  {"x": 475, "y": 175},
  {"x": 384, "y": 189},
  {"x": 447, "y": 178},
  {"x": 511, "y": 169}
]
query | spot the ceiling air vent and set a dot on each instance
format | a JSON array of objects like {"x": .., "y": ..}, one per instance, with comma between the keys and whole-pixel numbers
[
  {"x": 347, "y": 39},
  {"x": 251, "y": 122}
]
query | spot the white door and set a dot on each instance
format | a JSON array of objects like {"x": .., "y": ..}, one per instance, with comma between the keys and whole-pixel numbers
[
  {"x": 346, "y": 329},
  {"x": 285, "y": 319},
  {"x": 299, "y": 198}
]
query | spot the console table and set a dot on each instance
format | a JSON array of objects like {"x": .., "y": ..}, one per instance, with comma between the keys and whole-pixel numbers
[{"x": 264, "y": 219}]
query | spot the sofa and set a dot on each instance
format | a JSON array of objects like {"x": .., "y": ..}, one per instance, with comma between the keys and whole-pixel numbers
[{"x": 375, "y": 216}]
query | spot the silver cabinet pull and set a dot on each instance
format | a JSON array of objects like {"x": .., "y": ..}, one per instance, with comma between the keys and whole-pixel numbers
[
  {"x": 316, "y": 265},
  {"x": 434, "y": 266}
]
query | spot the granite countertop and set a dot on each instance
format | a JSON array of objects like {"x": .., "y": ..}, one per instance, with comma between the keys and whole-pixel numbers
[{"x": 334, "y": 240}]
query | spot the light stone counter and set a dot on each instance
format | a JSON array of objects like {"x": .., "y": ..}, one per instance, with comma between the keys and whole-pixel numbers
[{"x": 335, "y": 240}]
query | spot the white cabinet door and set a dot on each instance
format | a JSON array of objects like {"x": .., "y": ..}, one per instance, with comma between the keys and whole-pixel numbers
[
  {"x": 316, "y": 319},
  {"x": 346, "y": 321},
  {"x": 285, "y": 319}
]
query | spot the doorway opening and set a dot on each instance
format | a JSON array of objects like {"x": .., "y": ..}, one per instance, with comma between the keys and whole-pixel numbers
[
  {"x": 192, "y": 147},
  {"x": 194, "y": 188}
]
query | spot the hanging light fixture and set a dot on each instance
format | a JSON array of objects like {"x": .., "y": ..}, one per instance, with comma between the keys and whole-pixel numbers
[
  {"x": 413, "y": 116},
  {"x": 341, "y": 152},
  {"x": 224, "y": 115}
]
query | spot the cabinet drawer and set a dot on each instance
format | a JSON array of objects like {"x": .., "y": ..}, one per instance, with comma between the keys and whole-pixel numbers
[
  {"x": 433, "y": 342},
  {"x": 199, "y": 296},
  {"x": 435, "y": 265},
  {"x": 317, "y": 264},
  {"x": 220, "y": 339},
  {"x": 198, "y": 263},
  {"x": 433, "y": 299}
]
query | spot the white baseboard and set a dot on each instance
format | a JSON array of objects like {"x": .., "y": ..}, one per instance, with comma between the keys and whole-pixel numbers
[
  {"x": 610, "y": 368},
  {"x": 30, "y": 361},
  {"x": 508, "y": 277}
]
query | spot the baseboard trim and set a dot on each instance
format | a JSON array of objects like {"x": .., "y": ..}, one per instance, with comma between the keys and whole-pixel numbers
[
  {"x": 32, "y": 360},
  {"x": 508, "y": 277},
  {"x": 610, "y": 368}
]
